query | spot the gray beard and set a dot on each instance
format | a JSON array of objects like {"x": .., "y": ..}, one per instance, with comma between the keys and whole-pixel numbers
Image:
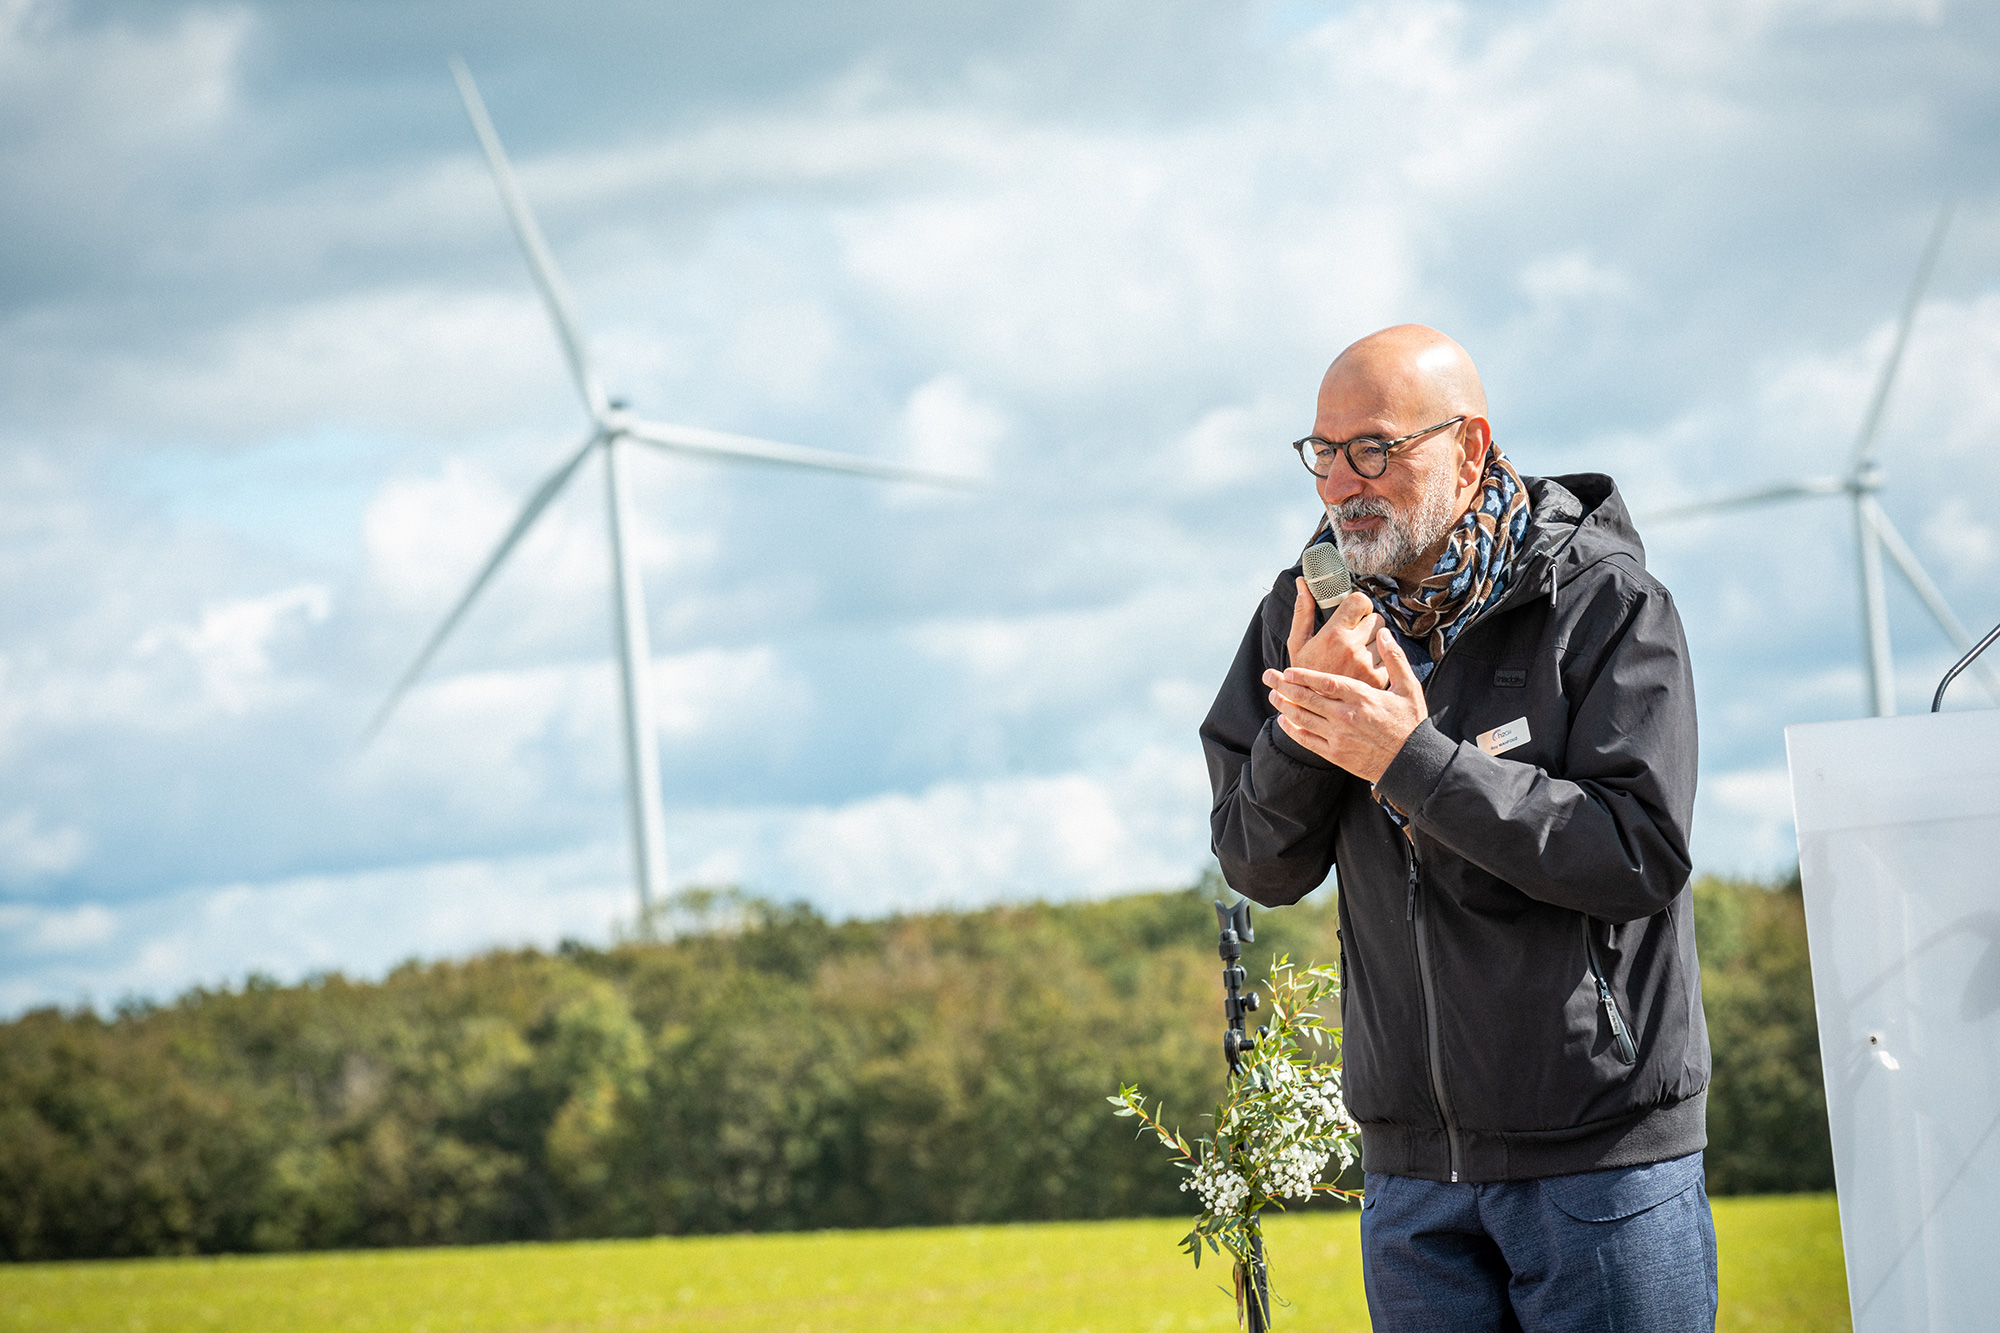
[{"x": 1401, "y": 539}]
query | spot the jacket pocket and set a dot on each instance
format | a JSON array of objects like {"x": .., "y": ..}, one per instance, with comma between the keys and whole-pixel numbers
[
  {"x": 1621, "y": 1035},
  {"x": 1612, "y": 1196}
]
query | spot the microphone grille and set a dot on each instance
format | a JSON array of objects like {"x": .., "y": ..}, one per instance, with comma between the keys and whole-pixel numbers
[{"x": 1326, "y": 574}]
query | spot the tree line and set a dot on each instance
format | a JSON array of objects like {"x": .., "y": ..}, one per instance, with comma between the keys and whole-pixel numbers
[{"x": 764, "y": 1069}]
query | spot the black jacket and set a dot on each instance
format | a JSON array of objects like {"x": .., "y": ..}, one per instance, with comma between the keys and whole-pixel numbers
[{"x": 1519, "y": 987}]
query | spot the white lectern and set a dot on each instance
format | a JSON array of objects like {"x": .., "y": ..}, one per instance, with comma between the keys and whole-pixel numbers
[{"x": 1899, "y": 850}]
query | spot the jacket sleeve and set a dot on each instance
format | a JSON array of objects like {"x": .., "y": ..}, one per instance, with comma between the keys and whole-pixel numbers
[
  {"x": 1272, "y": 824},
  {"x": 1609, "y": 837}
]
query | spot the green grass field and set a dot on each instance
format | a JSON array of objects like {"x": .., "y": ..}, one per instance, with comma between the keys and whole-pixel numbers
[{"x": 1781, "y": 1270}]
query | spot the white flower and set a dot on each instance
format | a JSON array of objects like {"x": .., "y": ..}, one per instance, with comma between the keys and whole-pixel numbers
[{"x": 1222, "y": 1190}]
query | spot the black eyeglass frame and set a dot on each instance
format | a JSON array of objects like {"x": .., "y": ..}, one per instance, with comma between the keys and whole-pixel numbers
[{"x": 1347, "y": 447}]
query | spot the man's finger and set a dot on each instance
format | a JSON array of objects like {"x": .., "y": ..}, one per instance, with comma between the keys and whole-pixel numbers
[
  {"x": 1370, "y": 628},
  {"x": 1295, "y": 731},
  {"x": 1402, "y": 676},
  {"x": 1303, "y": 607},
  {"x": 1307, "y": 731},
  {"x": 1295, "y": 718},
  {"x": 1354, "y": 609},
  {"x": 1310, "y": 708},
  {"x": 1324, "y": 683}
]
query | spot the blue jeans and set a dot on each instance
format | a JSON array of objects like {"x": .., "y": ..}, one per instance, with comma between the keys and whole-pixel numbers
[{"x": 1630, "y": 1249}]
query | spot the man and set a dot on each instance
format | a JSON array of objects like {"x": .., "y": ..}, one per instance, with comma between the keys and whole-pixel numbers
[{"x": 1493, "y": 739}]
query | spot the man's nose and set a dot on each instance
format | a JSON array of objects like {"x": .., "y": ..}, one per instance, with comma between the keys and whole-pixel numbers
[{"x": 1339, "y": 485}]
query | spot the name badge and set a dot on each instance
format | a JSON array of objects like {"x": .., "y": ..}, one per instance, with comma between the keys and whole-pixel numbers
[{"x": 1502, "y": 739}]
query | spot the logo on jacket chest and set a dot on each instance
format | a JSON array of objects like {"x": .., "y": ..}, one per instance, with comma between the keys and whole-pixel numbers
[{"x": 1510, "y": 678}]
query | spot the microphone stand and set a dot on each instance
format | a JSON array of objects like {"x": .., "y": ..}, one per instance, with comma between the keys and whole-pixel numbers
[
  {"x": 1937, "y": 700},
  {"x": 1254, "y": 1284}
]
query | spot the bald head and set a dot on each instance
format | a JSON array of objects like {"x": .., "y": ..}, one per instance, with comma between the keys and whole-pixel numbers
[{"x": 1412, "y": 372}]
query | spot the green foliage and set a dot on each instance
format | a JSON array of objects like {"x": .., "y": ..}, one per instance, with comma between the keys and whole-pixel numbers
[
  {"x": 1767, "y": 1127},
  {"x": 764, "y": 1069}
]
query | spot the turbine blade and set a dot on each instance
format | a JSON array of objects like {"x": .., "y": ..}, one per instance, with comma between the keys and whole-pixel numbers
[
  {"x": 1796, "y": 490},
  {"x": 1927, "y": 591},
  {"x": 531, "y": 511},
  {"x": 707, "y": 443},
  {"x": 1864, "y": 443},
  {"x": 555, "y": 295}
]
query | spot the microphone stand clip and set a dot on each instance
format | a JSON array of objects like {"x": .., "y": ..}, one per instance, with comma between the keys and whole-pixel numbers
[{"x": 1237, "y": 1004}]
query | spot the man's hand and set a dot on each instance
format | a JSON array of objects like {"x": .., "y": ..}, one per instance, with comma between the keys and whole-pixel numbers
[
  {"x": 1357, "y": 726},
  {"x": 1344, "y": 645}
]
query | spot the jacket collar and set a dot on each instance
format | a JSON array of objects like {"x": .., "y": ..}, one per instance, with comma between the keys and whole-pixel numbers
[{"x": 1577, "y": 520}]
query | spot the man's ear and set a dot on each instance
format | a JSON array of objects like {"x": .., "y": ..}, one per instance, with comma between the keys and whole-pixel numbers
[{"x": 1476, "y": 441}]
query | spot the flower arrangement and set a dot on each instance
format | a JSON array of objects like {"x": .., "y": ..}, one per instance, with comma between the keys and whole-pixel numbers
[{"x": 1282, "y": 1120}]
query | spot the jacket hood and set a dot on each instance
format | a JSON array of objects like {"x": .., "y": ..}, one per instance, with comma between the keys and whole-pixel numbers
[{"x": 1574, "y": 522}]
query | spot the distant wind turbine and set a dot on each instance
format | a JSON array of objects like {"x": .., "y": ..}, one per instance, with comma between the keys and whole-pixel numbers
[
  {"x": 1873, "y": 532},
  {"x": 611, "y": 429}
]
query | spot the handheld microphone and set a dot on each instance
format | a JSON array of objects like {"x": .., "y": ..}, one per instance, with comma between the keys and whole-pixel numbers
[{"x": 1326, "y": 574}]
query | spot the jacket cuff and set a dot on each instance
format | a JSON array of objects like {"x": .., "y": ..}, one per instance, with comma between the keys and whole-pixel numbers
[
  {"x": 1291, "y": 749},
  {"x": 1415, "y": 771}
]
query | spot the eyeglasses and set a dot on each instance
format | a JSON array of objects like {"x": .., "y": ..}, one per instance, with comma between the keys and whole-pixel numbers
[{"x": 1368, "y": 456}]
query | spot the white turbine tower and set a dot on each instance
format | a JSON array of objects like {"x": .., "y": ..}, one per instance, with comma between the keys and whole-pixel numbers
[
  {"x": 1873, "y": 532},
  {"x": 612, "y": 428}
]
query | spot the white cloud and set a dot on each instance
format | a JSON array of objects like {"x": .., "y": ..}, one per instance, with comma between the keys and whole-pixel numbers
[
  {"x": 714, "y": 691},
  {"x": 229, "y": 648},
  {"x": 1573, "y": 278},
  {"x": 39, "y": 931},
  {"x": 423, "y": 358},
  {"x": 1015, "y": 664},
  {"x": 1069, "y": 835},
  {"x": 222, "y": 662},
  {"x": 1096, "y": 258},
  {"x": 473, "y": 741},
  {"x": 362, "y": 923},
  {"x": 139, "y": 90},
  {"x": 1744, "y": 824},
  {"x": 490, "y": 747},
  {"x": 1963, "y": 535},
  {"x": 948, "y": 429},
  {"x": 1235, "y": 444},
  {"x": 32, "y": 851}
]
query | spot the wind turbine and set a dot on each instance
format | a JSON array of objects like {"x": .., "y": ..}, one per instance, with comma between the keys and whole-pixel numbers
[
  {"x": 1873, "y": 532},
  {"x": 612, "y": 430}
]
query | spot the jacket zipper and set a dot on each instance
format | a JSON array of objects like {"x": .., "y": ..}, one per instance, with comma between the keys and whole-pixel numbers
[
  {"x": 1627, "y": 1051},
  {"x": 1433, "y": 1056}
]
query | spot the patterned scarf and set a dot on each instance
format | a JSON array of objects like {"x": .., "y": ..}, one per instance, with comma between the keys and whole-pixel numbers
[{"x": 1470, "y": 575}]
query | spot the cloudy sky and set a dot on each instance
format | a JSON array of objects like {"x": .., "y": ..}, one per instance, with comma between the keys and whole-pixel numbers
[{"x": 273, "y": 380}]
